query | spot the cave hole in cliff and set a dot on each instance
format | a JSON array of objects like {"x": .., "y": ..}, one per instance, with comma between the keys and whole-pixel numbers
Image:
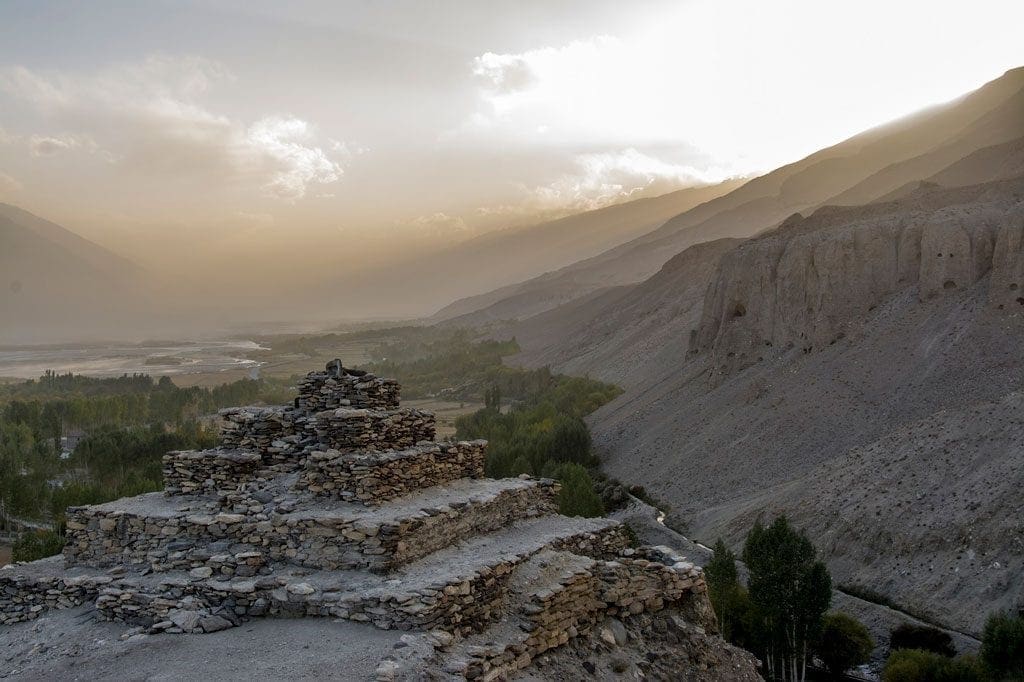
[
  {"x": 738, "y": 310},
  {"x": 949, "y": 284},
  {"x": 1013, "y": 286},
  {"x": 1020, "y": 299}
]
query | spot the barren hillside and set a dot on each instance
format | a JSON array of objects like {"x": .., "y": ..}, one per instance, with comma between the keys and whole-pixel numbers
[{"x": 839, "y": 360}]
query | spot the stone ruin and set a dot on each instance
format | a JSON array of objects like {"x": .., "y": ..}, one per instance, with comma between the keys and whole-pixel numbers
[{"x": 342, "y": 506}]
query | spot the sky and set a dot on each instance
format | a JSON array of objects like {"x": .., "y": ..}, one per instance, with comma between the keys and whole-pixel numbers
[{"x": 258, "y": 127}]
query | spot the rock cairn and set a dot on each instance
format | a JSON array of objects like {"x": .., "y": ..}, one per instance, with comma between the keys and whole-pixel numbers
[{"x": 340, "y": 506}]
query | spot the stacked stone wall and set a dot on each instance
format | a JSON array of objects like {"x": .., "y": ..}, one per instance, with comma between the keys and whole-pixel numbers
[
  {"x": 25, "y": 597},
  {"x": 320, "y": 391},
  {"x": 348, "y": 430},
  {"x": 375, "y": 478},
  {"x": 192, "y": 472},
  {"x": 324, "y": 539},
  {"x": 268, "y": 431},
  {"x": 580, "y": 600},
  {"x": 459, "y": 604}
]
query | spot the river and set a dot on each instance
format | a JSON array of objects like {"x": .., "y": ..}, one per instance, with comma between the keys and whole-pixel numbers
[{"x": 106, "y": 360}]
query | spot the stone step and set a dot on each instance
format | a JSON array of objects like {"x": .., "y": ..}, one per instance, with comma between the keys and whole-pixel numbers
[
  {"x": 460, "y": 589},
  {"x": 373, "y": 478},
  {"x": 167, "y": 533},
  {"x": 557, "y": 596}
]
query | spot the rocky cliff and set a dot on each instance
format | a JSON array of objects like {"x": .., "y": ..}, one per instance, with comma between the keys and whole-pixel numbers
[{"x": 811, "y": 281}]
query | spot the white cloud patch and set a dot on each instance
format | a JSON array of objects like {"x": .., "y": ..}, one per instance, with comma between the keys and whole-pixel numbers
[
  {"x": 152, "y": 118},
  {"x": 608, "y": 177},
  {"x": 503, "y": 73},
  {"x": 52, "y": 145},
  {"x": 284, "y": 141}
]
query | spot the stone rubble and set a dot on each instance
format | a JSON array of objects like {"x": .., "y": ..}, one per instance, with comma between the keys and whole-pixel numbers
[{"x": 339, "y": 506}]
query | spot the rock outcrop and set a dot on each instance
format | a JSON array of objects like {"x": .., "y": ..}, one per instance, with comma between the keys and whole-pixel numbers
[
  {"x": 812, "y": 281},
  {"x": 337, "y": 507},
  {"x": 853, "y": 369}
]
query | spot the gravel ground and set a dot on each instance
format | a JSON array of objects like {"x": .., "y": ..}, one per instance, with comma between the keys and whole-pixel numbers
[{"x": 71, "y": 645}]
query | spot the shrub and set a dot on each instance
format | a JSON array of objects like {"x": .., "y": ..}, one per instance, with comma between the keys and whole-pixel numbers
[
  {"x": 37, "y": 545},
  {"x": 908, "y": 636},
  {"x": 917, "y": 665},
  {"x": 577, "y": 496},
  {"x": 843, "y": 643},
  {"x": 1002, "y": 646}
]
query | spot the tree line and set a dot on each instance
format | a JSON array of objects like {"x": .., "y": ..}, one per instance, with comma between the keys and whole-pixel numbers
[{"x": 782, "y": 615}]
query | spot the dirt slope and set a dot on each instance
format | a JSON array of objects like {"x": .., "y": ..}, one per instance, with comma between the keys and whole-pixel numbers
[
  {"x": 846, "y": 373},
  {"x": 624, "y": 334}
]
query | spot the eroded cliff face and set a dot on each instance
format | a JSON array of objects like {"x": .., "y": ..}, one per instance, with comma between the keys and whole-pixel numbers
[{"x": 811, "y": 281}]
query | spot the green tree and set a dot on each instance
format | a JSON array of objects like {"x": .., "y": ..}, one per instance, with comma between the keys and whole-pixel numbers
[
  {"x": 1002, "y": 646},
  {"x": 916, "y": 665},
  {"x": 34, "y": 545},
  {"x": 577, "y": 496},
  {"x": 730, "y": 600},
  {"x": 843, "y": 643},
  {"x": 791, "y": 591}
]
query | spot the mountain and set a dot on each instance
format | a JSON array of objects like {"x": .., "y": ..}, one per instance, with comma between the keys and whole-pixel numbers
[
  {"x": 507, "y": 256},
  {"x": 856, "y": 366},
  {"x": 860, "y": 169},
  {"x": 54, "y": 282}
]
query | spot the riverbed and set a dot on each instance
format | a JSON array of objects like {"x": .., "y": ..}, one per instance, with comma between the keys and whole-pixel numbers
[{"x": 162, "y": 358}]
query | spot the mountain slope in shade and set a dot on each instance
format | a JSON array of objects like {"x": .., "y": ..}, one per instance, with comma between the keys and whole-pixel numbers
[
  {"x": 864, "y": 167},
  {"x": 859, "y": 356},
  {"x": 507, "y": 256},
  {"x": 624, "y": 335},
  {"x": 54, "y": 283},
  {"x": 628, "y": 334}
]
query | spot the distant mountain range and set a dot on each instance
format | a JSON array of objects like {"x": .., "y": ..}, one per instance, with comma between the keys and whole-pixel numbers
[
  {"x": 53, "y": 281},
  {"x": 840, "y": 340},
  {"x": 863, "y": 168}
]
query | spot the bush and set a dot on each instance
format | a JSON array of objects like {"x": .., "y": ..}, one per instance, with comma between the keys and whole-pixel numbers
[
  {"x": 843, "y": 643},
  {"x": 916, "y": 665},
  {"x": 907, "y": 636},
  {"x": 577, "y": 496},
  {"x": 37, "y": 545},
  {"x": 1002, "y": 646}
]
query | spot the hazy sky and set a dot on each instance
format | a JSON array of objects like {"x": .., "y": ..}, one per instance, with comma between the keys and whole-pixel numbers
[{"x": 146, "y": 124}]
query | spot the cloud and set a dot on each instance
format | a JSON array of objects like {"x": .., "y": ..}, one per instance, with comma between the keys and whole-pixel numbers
[
  {"x": 604, "y": 178},
  {"x": 9, "y": 185},
  {"x": 153, "y": 118},
  {"x": 503, "y": 73},
  {"x": 46, "y": 145},
  {"x": 283, "y": 141}
]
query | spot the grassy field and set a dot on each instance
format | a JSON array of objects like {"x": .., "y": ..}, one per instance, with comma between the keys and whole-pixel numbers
[{"x": 446, "y": 412}]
